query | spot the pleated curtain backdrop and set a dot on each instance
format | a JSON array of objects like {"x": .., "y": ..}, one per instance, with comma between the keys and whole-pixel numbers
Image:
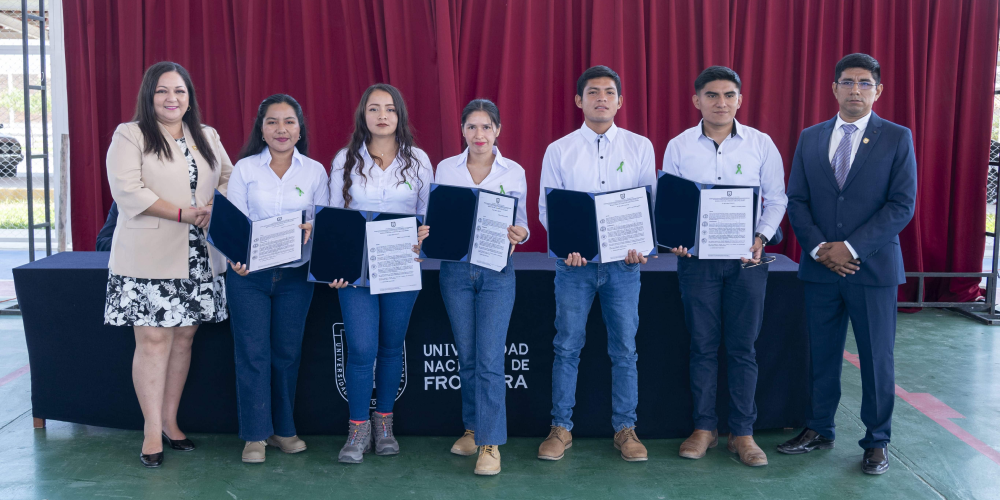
[{"x": 938, "y": 62}]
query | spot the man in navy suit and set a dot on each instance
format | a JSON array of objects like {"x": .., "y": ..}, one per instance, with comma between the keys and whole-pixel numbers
[{"x": 851, "y": 191}]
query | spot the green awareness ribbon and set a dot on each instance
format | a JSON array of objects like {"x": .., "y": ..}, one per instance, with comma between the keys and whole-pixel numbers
[
  {"x": 620, "y": 165},
  {"x": 739, "y": 168}
]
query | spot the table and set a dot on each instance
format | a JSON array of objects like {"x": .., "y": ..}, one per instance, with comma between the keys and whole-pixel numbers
[{"x": 81, "y": 368}]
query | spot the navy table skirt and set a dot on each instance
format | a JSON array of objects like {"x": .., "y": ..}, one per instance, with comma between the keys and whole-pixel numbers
[{"x": 81, "y": 369}]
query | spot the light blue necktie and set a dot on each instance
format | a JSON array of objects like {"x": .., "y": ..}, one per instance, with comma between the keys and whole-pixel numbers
[{"x": 842, "y": 157}]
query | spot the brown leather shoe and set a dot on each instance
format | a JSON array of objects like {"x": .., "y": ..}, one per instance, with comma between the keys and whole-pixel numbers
[
  {"x": 750, "y": 453},
  {"x": 555, "y": 446},
  {"x": 287, "y": 444},
  {"x": 466, "y": 445},
  {"x": 698, "y": 443},
  {"x": 489, "y": 460},
  {"x": 628, "y": 443}
]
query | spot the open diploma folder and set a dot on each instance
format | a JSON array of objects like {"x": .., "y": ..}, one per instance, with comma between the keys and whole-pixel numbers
[
  {"x": 259, "y": 244},
  {"x": 470, "y": 225},
  {"x": 340, "y": 249},
  {"x": 573, "y": 224},
  {"x": 678, "y": 205}
]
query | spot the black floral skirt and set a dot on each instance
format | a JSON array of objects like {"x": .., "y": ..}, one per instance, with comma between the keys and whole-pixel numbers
[{"x": 169, "y": 302}]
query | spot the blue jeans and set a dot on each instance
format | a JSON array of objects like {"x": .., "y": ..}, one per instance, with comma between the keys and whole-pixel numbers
[
  {"x": 374, "y": 327},
  {"x": 267, "y": 316},
  {"x": 479, "y": 302},
  {"x": 617, "y": 283},
  {"x": 723, "y": 302}
]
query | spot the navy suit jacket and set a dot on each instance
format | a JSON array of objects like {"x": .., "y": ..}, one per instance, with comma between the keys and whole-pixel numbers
[
  {"x": 875, "y": 204},
  {"x": 107, "y": 234}
]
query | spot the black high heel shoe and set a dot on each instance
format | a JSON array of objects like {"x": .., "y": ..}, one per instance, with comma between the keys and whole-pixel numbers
[
  {"x": 180, "y": 444},
  {"x": 151, "y": 460}
]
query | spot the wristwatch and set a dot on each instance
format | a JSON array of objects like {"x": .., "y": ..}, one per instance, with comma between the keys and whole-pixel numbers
[{"x": 763, "y": 239}]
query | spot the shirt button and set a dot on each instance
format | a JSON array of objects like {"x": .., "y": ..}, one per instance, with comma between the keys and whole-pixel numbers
[
  {"x": 602, "y": 157},
  {"x": 720, "y": 152},
  {"x": 840, "y": 225},
  {"x": 720, "y": 178},
  {"x": 602, "y": 182},
  {"x": 840, "y": 199}
]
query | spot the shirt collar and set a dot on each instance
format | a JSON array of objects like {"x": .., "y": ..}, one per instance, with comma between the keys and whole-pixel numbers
[
  {"x": 862, "y": 123},
  {"x": 499, "y": 160},
  {"x": 591, "y": 136},
  {"x": 265, "y": 157},
  {"x": 736, "y": 129}
]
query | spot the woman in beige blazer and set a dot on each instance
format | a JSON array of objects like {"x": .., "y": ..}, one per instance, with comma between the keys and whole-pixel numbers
[{"x": 164, "y": 280}]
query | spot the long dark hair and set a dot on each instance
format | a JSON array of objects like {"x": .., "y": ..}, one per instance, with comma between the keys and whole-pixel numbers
[
  {"x": 145, "y": 114},
  {"x": 360, "y": 137},
  {"x": 255, "y": 141}
]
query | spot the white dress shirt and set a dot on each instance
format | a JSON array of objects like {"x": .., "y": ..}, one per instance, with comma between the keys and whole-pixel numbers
[
  {"x": 383, "y": 191},
  {"x": 835, "y": 138},
  {"x": 747, "y": 157},
  {"x": 505, "y": 177},
  {"x": 260, "y": 194},
  {"x": 586, "y": 161}
]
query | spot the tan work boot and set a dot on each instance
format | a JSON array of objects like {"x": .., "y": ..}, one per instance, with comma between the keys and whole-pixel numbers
[
  {"x": 287, "y": 444},
  {"x": 628, "y": 443},
  {"x": 466, "y": 445},
  {"x": 750, "y": 453},
  {"x": 699, "y": 442},
  {"x": 555, "y": 446},
  {"x": 253, "y": 452},
  {"x": 489, "y": 460}
]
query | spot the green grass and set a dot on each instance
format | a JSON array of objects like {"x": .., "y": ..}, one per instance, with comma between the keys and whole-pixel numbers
[{"x": 14, "y": 213}]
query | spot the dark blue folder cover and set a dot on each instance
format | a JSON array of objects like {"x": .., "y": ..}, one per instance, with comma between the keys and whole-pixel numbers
[
  {"x": 229, "y": 230},
  {"x": 338, "y": 246},
  {"x": 675, "y": 213},
  {"x": 678, "y": 201},
  {"x": 572, "y": 224},
  {"x": 451, "y": 211}
]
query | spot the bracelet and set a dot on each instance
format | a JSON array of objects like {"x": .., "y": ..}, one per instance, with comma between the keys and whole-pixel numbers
[{"x": 179, "y": 214}]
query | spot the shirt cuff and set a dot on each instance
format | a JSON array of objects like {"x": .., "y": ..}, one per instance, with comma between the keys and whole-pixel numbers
[
  {"x": 526, "y": 238},
  {"x": 849, "y": 247},
  {"x": 815, "y": 250}
]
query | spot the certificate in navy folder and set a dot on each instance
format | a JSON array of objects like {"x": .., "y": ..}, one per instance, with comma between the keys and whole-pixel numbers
[
  {"x": 572, "y": 223},
  {"x": 677, "y": 207},
  {"x": 453, "y": 211},
  {"x": 339, "y": 248},
  {"x": 232, "y": 233}
]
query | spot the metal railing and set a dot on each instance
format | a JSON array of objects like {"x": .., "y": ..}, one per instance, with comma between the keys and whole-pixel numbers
[
  {"x": 982, "y": 311},
  {"x": 28, "y": 156}
]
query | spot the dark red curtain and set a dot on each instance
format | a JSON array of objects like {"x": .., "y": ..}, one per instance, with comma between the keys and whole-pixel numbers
[{"x": 938, "y": 65}]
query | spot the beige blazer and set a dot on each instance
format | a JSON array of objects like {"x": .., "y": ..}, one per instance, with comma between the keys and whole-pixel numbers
[{"x": 145, "y": 246}]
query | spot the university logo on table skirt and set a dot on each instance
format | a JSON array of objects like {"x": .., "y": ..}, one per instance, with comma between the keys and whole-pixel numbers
[{"x": 340, "y": 357}]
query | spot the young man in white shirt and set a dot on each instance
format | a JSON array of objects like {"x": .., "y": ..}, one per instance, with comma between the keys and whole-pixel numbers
[
  {"x": 724, "y": 299},
  {"x": 597, "y": 157}
]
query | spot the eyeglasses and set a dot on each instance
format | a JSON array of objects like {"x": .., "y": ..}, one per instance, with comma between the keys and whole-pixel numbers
[
  {"x": 862, "y": 86},
  {"x": 764, "y": 259}
]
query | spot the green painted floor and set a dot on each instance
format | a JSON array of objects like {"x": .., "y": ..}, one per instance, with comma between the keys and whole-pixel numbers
[{"x": 952, "y": 358}]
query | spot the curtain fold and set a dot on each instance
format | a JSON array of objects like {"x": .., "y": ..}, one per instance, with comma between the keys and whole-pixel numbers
[{"x": 938, "y": 65}]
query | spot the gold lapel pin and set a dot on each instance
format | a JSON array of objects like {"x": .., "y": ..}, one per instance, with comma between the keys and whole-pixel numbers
[
  {"x": 864, "y": 141},
  {"x": 196, "y": 147}
]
